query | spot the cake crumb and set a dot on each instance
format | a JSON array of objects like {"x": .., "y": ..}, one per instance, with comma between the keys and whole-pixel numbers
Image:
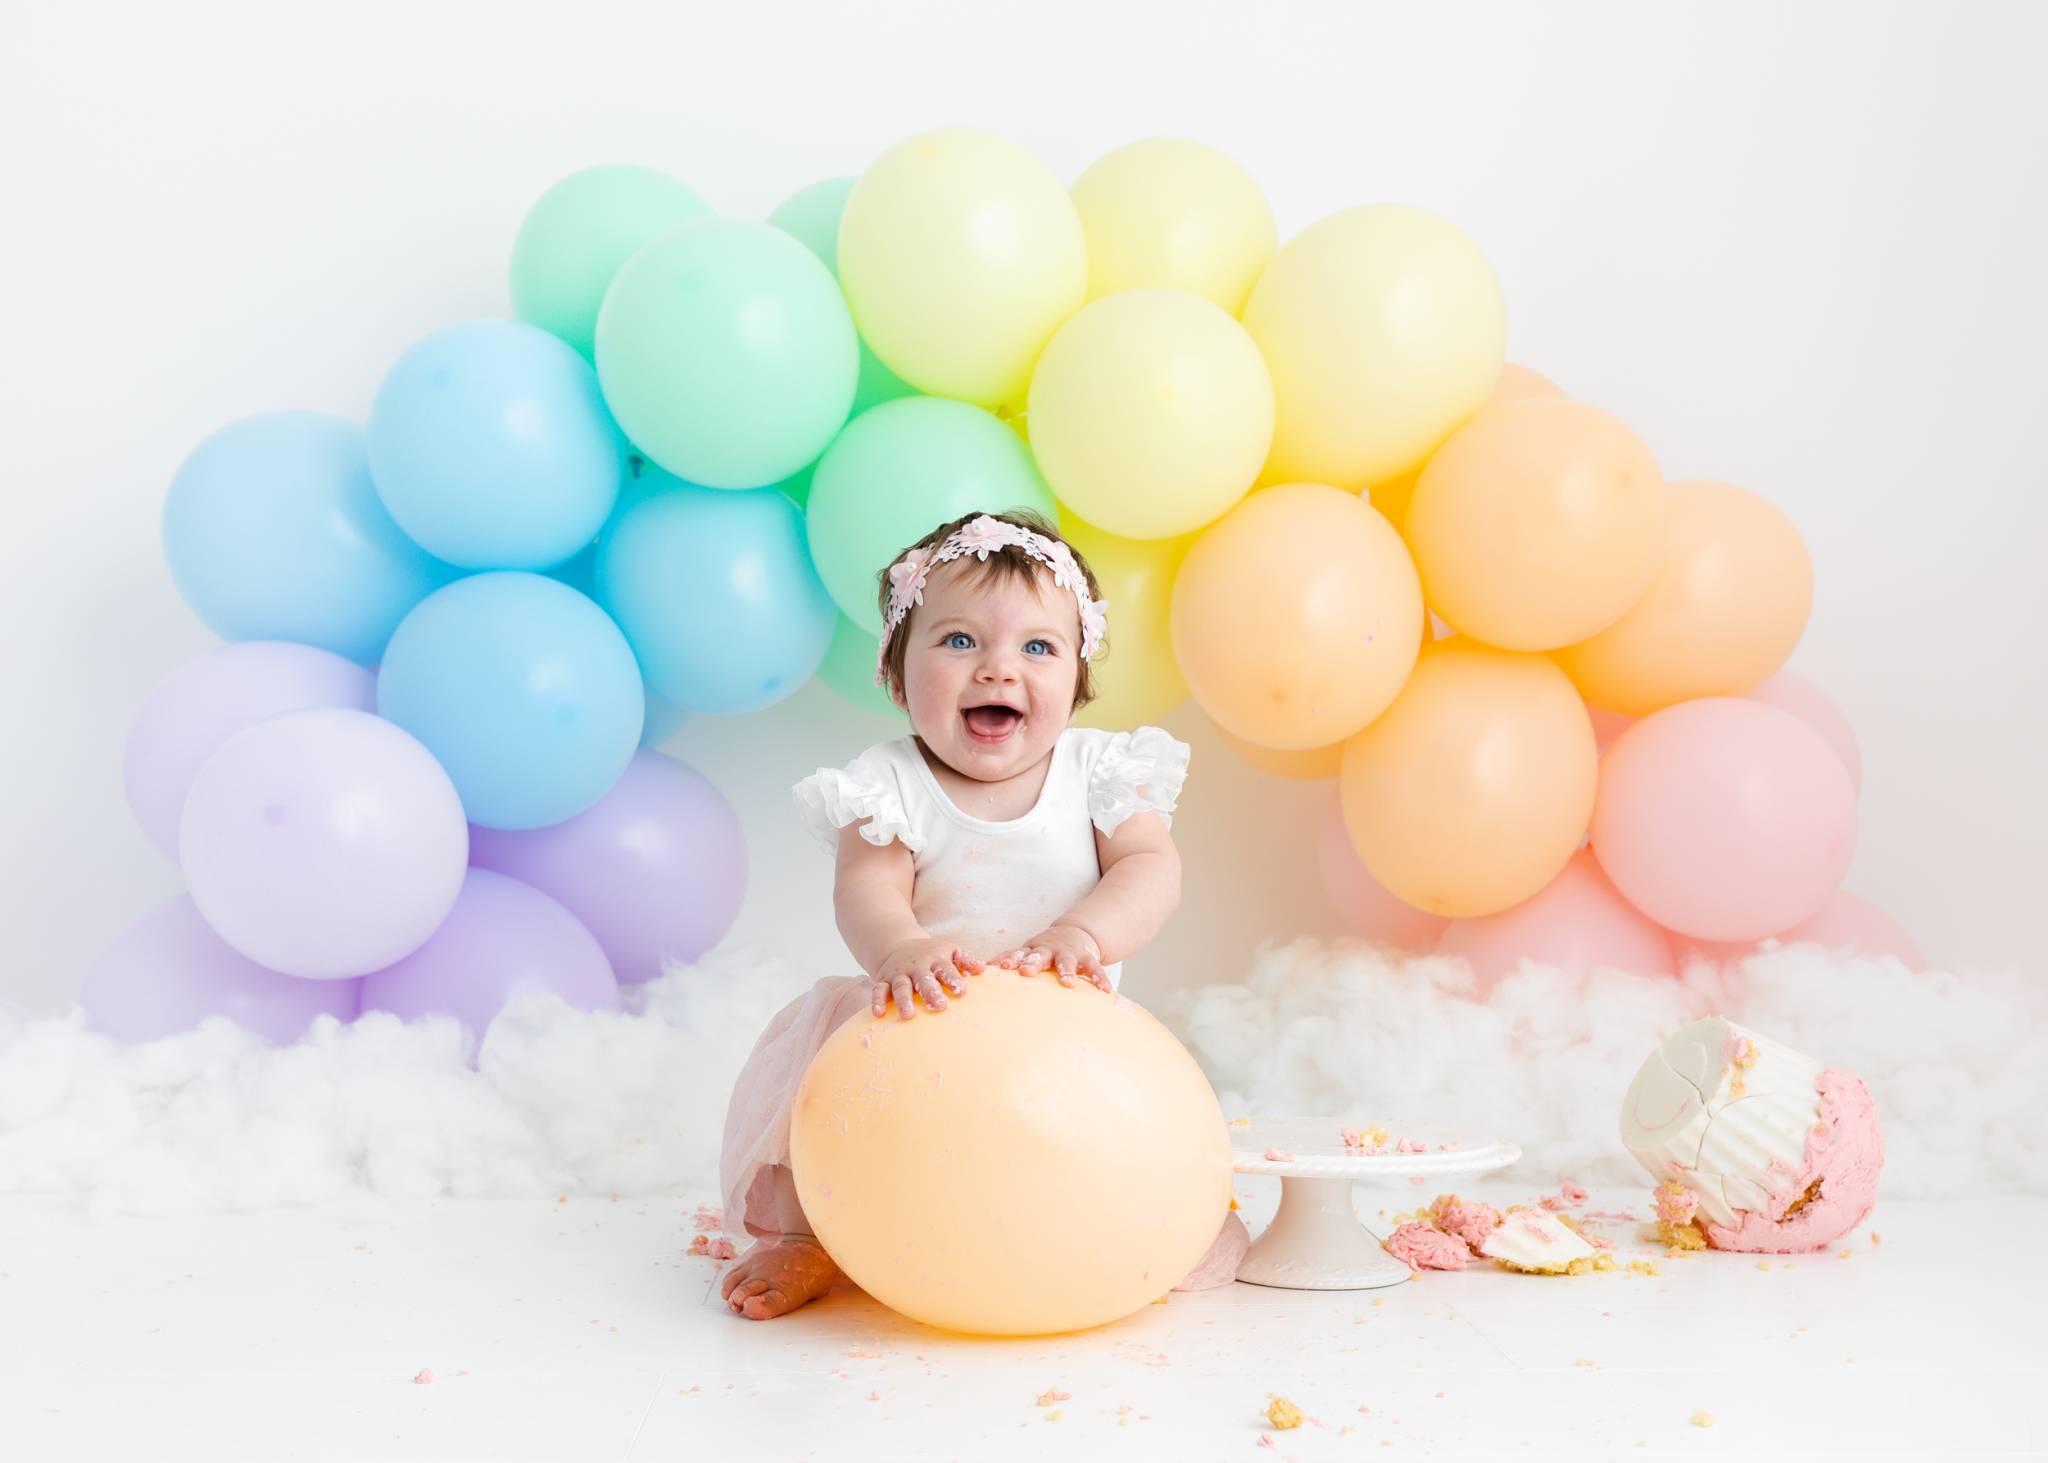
[
  {"x": 1703, "y": 1418},
  {"x": 1763, "y": 1264},
  {"x": 1876, "y": 1238},
  {"x": 1282, "y": 1413},
  {"x": 1053, "y": 1394},
  {"x": 1846, "y": 1255},
  {"x": 1279, "y": 1155},
  {"x": 1055, "y": 1415},
  {"x": 1642, "y": 1267},
  {"x": 422, "y": 1377}
]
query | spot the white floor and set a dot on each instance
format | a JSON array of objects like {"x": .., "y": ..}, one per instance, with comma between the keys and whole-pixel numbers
[{"x": 580, "y": 1330}]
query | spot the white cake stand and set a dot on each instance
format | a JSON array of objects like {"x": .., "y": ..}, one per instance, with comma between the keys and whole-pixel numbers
[{"x": 1315, "y": 1241}]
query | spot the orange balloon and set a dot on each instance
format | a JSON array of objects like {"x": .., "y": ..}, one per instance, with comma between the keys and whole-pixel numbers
[
  {"x": 1392, "y": 497},
  {"x": 1723, "y": 613},
  {"x": 1296, "y": 617},
  {"x": 1472, "y": 790},
  {"x": 1035, "y": 1158},
  {"x": 1308, "y": 766},
  {"x": 1539, "y": 523}
]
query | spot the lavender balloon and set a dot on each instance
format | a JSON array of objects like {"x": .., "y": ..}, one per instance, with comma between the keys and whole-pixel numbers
[
  {"x": 211, "y": 697},
  {"x": 654, "y": 869},
  {"x": 501, "y": 938},
  {"x": 323, "y": 843},
  {"x": 169, "y": 971}
]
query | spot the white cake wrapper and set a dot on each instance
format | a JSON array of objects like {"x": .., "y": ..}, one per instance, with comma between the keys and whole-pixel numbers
[
  {"x": 1734, "y": 1135},
  {"x": 1535, "y": 1239}
]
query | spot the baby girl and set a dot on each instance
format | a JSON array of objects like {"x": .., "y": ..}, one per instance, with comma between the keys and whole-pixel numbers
[{"x": 994, "y": 834}]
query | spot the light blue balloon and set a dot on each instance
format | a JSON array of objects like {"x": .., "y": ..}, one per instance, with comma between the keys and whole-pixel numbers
[
  {"x": 274, "y": 531},
  {"x": 811, "y": 217},
  {"x": 491, "y": 446},
  {"x": 523, "y": 689},
  {"x": 716, "y": 592}
]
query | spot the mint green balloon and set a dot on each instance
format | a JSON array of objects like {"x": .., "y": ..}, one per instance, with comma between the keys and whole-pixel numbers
[
  {"x": 576, "y": 236},
  {"x": 897, "y": 472},
  {"x": 812, "y": 219},
  {"x": 726, "y": 353},
  {"x": 849, "y": 669}
]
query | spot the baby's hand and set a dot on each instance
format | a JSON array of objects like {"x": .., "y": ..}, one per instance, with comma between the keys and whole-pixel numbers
[
  {"x": 1066, "y": 950},
  {"x": 921, "y": 966}
]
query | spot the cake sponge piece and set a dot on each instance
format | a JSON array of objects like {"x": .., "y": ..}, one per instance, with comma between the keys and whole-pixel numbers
[{"x": 1539, "y": 1243}]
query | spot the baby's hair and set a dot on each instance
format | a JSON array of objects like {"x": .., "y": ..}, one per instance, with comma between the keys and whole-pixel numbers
[{"x": 1008, "y": 562}]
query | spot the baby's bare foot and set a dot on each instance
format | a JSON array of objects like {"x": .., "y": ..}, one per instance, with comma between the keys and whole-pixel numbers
[{"x": 777, "y": 1276}]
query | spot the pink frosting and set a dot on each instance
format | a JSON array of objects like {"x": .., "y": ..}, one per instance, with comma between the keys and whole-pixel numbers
[
  {"x": 1845, "y": 1152},
  {"x": 1471, "y": 1222},
  {"x": 1423, "y": 1247}
]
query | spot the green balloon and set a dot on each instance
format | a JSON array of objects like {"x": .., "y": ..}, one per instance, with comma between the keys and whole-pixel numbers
[
  {"x": 849, "y": 669},
  {"x": 726, "y": 353},
  {"x": 812, "y": 219},
  {"x": 575, "y": 238},
  {"x": 897, "y": 472}
]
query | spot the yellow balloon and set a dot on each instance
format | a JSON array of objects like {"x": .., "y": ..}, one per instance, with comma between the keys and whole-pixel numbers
[
  {"x": 1136, "y": 679},
  {"x": 1036, "y": 1158},
  {"x": 1391, "y": 497},
  {"x": 1296, "y": 617},
  {"x": 1310, "y": 766},
  {"x": 1176, "y": 213},
  {"x": 1384, "y": 329},
  {"x": 1539, "y": 523},
  {"x": 1150, "y": 413},
  {"x": 960, "y": 254},
  {"x": 1723, "y": 613},
  {"x": 1471, "y": 792}
]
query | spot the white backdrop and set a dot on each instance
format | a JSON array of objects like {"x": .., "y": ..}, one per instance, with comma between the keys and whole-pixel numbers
[{"x": 1796, "y": 248}]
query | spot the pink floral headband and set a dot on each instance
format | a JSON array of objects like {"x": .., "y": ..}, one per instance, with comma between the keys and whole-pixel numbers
[{"x": 982, "y": 537}]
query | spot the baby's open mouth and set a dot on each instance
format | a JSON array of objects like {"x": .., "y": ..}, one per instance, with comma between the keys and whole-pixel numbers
[{"x": 991, "y": 724}]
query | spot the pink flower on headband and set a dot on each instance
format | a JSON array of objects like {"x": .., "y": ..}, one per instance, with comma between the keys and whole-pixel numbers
[
  {"x": 907, "y": 576},
  {"x": 984, "y": 536}
]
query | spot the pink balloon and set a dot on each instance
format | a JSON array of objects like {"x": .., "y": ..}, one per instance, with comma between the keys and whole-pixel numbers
[
  {"x": 1368, "y": 909},
  {"x": 1847, "y": 922},
  {"x": 211, "y": 697},
  {"x": 323, "y": 843},
  {"x": 1812, "y": 705},
  {"x": 1724, "y": 819},
  {"x": 1607, "y": 725},
  {"x": 169, "y": 971},
  {"x": 1576, "y": 922},
  {"x": 501, "y": 938}
]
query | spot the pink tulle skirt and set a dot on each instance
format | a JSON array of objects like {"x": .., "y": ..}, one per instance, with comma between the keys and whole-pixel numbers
[{"x": 757, "y": 1122}]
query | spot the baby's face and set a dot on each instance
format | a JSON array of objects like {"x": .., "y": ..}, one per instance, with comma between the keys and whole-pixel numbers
[{"x": 989, "y": 669}]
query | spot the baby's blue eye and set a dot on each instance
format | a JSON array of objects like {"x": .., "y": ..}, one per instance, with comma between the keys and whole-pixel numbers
[
  {"x": 1043, "y": 647},
  {"x": 960, "y": 640}
]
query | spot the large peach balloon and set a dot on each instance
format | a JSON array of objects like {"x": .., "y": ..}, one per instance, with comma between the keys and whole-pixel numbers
[
  {"x": 1724, "y": 819},
  {"x": 1515, "y": 383},
  {"x": 1576, "y": 922},
  {"x": 1361, "y": 900},
  {"x": 1817, "y": 709},
  {"x": 1150, "y": 413},
  {"x": 1539, "y": 523},
  {"x": 1296, "y": 617},
  {"x": 1471, "y": 791},
  {"x": 1170, "y": 212},
  {"x": 1311, "y": 765},
  {"x": 960, "y": 254},
  {"x": 1137, "y": 680},
  {"x": 1036, "y": 1158},
  {"x": 1725, "y": 609},
  {"x": 1384, "y": 329}
]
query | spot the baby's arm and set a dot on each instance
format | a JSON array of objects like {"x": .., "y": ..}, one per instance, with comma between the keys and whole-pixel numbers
[
  {"x": 871, "y": 890},
  {"x": 1138, "y": 893}
]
